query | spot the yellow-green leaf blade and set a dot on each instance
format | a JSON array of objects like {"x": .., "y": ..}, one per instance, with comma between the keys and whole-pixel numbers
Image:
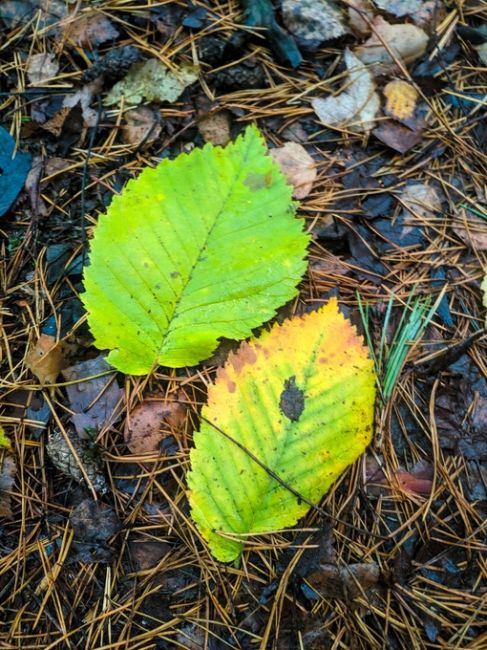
[
  {"x": 300, "y": 399},
  {"x": 201, "y": 247}
]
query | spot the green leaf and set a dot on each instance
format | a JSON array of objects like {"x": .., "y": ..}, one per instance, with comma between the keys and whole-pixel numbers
[
  {"x": 201, "y": 247},
  {"x": 300, "y": 400}
]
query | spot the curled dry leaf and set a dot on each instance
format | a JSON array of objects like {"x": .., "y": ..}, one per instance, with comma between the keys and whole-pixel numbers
[
  {"x": 298, "y": 166},
  {"x": 401, "y": 98},
  {"x": 45, "y": 358},
  {"x": 41, "y": 68},
  {"x": 150, "y": 422},
  {"x": 215, "y": 128},
  {"x": 406, "y": 42},
  {"x": 356, "y": 106},
  {"x": 360, "y": 16},
  {"x": 143, "y": 126},
  {"x": 418, "y": 481}
]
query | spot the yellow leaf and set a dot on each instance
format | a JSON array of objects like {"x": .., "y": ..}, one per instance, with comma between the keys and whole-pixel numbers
[
  {"x": 300, "y": 399},
  {"x": 401, "y": 99}
]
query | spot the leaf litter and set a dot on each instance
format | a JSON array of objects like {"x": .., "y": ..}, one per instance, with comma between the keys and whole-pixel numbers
[{"x": 370, "y": 238}]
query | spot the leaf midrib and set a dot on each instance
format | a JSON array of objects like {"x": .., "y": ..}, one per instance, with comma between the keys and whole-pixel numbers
[
  {"x": 287, "y": 429},
  {"x": 202, "y": 250}
]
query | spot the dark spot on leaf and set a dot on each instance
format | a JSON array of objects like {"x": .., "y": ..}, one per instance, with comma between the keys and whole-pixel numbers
[
  {"x": 291, "y": 401},
  {"x": 175, "y": 274}
]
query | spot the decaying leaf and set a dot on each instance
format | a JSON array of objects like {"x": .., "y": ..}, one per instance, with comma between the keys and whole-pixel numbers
[
  {"x": 484, "y": 292},
  {"x": 151, "y": 81},
  {"x": 93, "y": 524},
  {"x": 94, "y": 400},
  {"x": 41, "y": 68},
  {"x": 142, "y": 126},
  {"x": 198, "y": 222},
  {"x": 150, "y": 422},
  {"x": 62, "y": 457},
  {"x": 405, "y": 41},
  {"x": 84, "y": 97},
  {"x": 300, "y": 400},
  {"x": 344, "y": 582},
  {"x": 482, "y": 51},
  {"x": 401, "y": 98},
  {"x": 471, "y": 229},
  {"x": 356, "y": 106},
  {"x": 397, "y": 136},
  {"x": 298, "y": 167},
  {"x": 215, "y": 128},
  {"x": 8, "y": 470},
  {"x": 89, "y": 30},
  {"x": 313, "y": 22},
  {"x": 420, "y": 200}
]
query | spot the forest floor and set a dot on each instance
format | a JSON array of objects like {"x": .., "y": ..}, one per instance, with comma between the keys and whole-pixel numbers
[{"x": 97, "y": 549}]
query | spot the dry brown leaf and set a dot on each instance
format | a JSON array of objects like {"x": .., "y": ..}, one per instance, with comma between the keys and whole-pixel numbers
[
  {"x": 150, "y": 422},
  {"x": 41, "y": 68},
  {"x": 401, "y": 99},
  {"x": 215, "y": 128},
  {"x": 47, "y": 357},
  {"x": 90, "y": 31},
  {"x": 298, "y": 167},
  {"x": 472, "y": 230},
  {"x": 344, "y": 582},
  {"x": 147, "y": 553},
  {"x": 143, "y": 126},
  {"x": 56, "y": 123},
  {"x": 405, "y": 41},
  {"x": 356, "y": 106},
  {"x": 398, "y": 137}
]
